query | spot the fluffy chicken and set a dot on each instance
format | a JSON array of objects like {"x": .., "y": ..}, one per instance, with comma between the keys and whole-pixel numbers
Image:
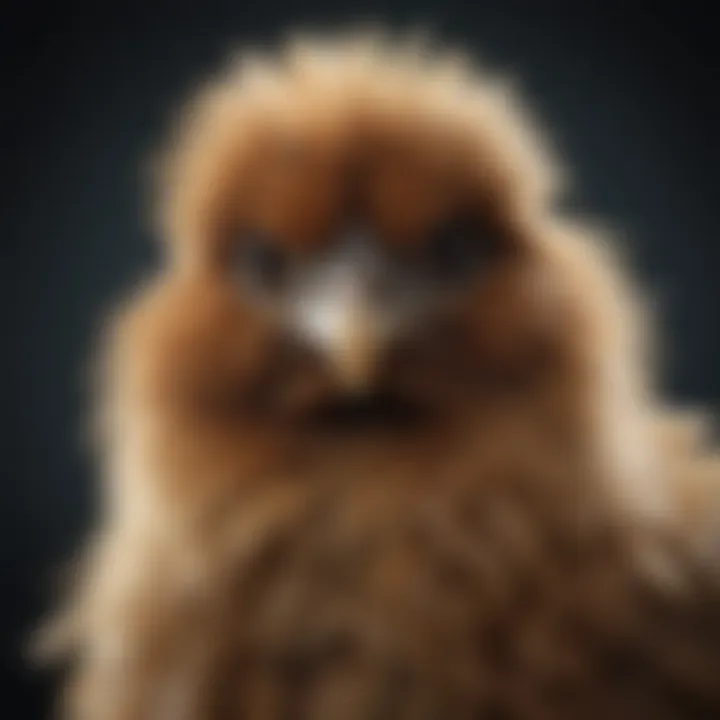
[{"x": 381, "y": 439}]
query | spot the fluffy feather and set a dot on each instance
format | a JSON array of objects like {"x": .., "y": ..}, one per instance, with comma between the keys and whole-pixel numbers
[{"x": 536, "y": 543}]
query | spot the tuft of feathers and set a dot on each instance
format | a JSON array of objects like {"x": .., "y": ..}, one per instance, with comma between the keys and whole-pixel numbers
[{"x": 326, "y": 89}]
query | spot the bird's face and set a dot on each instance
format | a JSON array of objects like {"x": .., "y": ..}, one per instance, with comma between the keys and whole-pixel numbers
[
  {"x": 381, "y": 249},
  {"x": 364, "y": 318}
]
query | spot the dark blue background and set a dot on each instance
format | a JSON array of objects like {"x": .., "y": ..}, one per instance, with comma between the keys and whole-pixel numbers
[{"x": 627, "y": 90}]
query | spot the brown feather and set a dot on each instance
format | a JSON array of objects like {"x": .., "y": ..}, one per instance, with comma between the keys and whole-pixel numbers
[{"x": 537, "y": 547}]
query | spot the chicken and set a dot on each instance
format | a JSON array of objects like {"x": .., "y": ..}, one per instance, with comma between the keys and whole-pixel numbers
[{"x": 381, "y": 439}]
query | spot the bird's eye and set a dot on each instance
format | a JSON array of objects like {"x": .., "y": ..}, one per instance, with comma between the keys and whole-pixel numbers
[
  {"x": 453, "y": 249},
  {"x": 263, "y": 260}
]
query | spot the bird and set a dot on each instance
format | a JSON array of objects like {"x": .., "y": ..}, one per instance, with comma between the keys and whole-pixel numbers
[{"x": 382, "y": 438}]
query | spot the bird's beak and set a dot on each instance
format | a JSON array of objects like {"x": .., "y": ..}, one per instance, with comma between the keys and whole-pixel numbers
[
  {"x": 339, "y": 318},
  {"x": 353, "y": 344}
]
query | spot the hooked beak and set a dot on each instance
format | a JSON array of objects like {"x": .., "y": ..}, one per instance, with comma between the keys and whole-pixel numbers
[
  {"x": 353, "y": 344},
  {"x": 335, "y": 312}
]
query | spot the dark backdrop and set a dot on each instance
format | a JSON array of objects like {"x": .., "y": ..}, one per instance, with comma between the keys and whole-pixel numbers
[{"x": 627, "y": 90}]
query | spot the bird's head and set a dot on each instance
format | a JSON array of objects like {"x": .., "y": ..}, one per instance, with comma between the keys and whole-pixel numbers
[{"x": 384, "y": 212}]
